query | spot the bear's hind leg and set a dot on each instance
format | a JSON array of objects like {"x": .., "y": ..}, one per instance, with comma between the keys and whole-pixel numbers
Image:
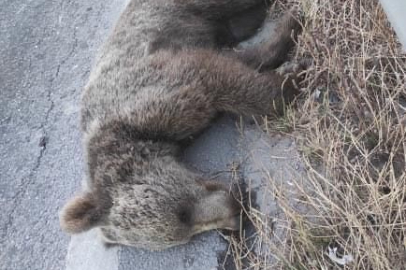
[
  {"x": 240, "y": 26},
  {"x": 271, "y": 54}
]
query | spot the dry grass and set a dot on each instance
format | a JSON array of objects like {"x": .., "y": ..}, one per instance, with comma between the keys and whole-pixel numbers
[{"x": 350, "y": 124}]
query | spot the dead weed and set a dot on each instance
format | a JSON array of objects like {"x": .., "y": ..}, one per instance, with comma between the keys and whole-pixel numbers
[{"x": 350, "y": 124}]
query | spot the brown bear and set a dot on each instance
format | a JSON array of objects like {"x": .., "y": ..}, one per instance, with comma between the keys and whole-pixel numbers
[{"x": 162, "y": 76}]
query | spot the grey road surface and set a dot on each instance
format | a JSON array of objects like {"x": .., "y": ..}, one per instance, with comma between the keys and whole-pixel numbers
[{"x": 46, "y": 51}]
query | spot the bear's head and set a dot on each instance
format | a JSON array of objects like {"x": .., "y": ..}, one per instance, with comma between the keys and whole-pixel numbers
[{"x": 140, "y": 195}]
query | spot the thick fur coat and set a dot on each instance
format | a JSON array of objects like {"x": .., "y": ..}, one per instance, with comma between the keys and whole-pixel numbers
[{"x": 163, "y": 75}]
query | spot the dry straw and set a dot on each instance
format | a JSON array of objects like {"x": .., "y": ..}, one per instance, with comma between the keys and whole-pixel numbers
[{"x": 350, "y": 125}]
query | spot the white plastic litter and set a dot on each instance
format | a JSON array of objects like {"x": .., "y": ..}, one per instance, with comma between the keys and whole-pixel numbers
[{"x": 332, "y": 254}]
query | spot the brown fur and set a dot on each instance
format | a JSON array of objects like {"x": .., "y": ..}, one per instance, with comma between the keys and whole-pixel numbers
[{"x": 162, "y": 76}]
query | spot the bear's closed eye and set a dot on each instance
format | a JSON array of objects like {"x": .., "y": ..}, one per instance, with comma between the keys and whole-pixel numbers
[{"x": 185, "y": 216}]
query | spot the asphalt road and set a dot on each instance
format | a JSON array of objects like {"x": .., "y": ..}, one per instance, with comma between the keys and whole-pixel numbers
[{"x": 46, "y": 51}]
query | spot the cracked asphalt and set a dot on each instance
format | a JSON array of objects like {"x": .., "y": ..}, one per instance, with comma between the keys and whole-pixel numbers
[{"x": 46, "y": 49}]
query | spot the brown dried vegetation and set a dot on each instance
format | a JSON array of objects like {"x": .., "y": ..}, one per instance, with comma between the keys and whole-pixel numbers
[{"x": 350, "y": 124}]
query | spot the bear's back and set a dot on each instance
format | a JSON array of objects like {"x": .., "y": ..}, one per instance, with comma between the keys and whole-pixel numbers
[{"x": 119, "y": 69}]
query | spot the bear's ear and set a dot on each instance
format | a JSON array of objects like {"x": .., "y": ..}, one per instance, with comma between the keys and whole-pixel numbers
[{"x": 80, "y": 214}]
